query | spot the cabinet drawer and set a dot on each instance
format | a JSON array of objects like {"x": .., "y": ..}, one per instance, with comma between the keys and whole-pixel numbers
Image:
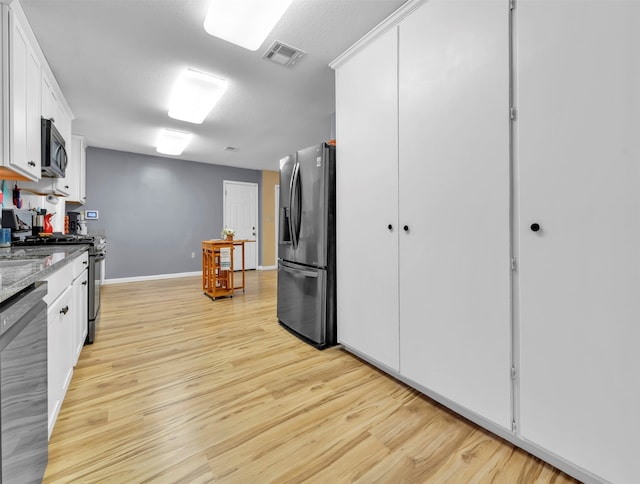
[
  {"x": 63, "y": 277},
  {"x": 58, "y": 282},
  {"x": 80, "y": 264}
]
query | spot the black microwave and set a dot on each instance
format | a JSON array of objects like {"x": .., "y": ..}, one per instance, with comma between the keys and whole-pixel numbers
[{"x": 54, "y": 154}]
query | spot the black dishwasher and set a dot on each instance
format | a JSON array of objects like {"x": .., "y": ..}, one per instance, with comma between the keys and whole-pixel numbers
[{"x": 23, "y": 386}]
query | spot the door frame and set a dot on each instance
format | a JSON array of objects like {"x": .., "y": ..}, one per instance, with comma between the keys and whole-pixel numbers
[
  {"x": 225, "y": 184},
  {"x": 276, "y": 221}
]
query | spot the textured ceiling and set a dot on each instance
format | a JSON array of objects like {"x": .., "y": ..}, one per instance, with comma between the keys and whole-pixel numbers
[{"x": 116, "y": 62}]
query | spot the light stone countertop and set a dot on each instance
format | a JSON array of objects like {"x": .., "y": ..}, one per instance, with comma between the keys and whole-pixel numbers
[{"x": 22, "y": 266}]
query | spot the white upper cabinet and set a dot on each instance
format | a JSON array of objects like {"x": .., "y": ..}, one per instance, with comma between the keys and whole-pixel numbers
[
  {"x": 33, "y": 94},
  {"x": 76, "y": 170},
  {"x": 53, "y": 107},
  {"x": 49, "y": 99},
  {"x": 21, "y": 81}
]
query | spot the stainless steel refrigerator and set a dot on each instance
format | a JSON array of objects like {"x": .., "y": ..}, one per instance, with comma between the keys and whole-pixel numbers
[{"x": 307, "y": 245}]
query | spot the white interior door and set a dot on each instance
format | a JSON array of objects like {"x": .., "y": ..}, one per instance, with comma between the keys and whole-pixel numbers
[
  {"x": 578, "y": 99},
  {"x": 241, "y": 215},
  {"x": 455, "y": 277}
]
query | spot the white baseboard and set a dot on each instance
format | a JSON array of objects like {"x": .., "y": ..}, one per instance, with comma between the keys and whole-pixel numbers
[
  {"x": 267, "y": 268},
  {"x": 122, "y": 280}
]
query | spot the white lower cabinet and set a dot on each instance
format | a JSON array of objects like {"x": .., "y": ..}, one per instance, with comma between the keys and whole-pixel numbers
[
  {"x": 67, "y": 328},
  {"x": 59, "y": 337},
  {"x": 367, "y": 191},
  {"x": 578, "y": 143},
  {"x": 81, "y": 313},
  {"x": 488, "y": 226},
  {"x": 455, "y": 326},
  {"x": 427, "y": 190}
]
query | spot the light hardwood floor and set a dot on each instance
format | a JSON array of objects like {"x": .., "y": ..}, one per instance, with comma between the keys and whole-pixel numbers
[{"x": 179, "y": 388}]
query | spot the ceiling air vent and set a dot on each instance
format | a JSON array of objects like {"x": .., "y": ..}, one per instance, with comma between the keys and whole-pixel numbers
[
  {"x": 283, "y": 54},
  {"x": 230, "y": 148}
]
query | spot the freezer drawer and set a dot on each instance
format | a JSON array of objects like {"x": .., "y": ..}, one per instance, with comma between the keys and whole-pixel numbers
[{"x": 302, "y": 301}]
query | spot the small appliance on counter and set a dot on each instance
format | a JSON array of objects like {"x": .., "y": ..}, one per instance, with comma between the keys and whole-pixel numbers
[
  {"x": 41, "y": 222},
  {"x": 77, "y": 223},
  {"x": 19, "y": 221}
]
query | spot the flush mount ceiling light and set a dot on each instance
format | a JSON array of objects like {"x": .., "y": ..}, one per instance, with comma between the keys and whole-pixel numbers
[
  {"x": 172, "y": 142},
  {"x": 194, "y": 95},
  {"x": 244, "y": 22}
]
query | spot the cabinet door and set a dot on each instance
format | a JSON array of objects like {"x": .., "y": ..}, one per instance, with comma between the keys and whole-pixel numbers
[
  {"x": 59, "y": 352},
  {"x": 62, "y": 186},
  {"x": 80, "y": 313},
  {"x": 63, "y": 124},
  {"x": 32, "y": 108},
  {"x": 455, "y": 330},
  {"x": 54, "y": 368},
  {"x": 49, "y": 101},
  {"x": 367, "y": 201},
  {"x": 76, "y": 171},
  {"x": 578, "y": 99},
  {"x": 24, "y": 94}
]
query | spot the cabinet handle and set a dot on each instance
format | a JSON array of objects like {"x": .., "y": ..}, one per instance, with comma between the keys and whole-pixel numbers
[
  {"x": 390, "y": 227},
  {"x": 85, "y": 262},
  {"x": 32, "y": 163},
  {"x": 406, "y": 228},
  {"x": 66, "y": 186},
  {"x": 64, "y": 310},
  {"x": 535, "y": 227},
  {"x": 84, "y": 283}
]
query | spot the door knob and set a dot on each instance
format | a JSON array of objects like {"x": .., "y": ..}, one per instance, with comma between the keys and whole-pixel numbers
[
  {"x": 406, "y": 228},
  {"x": 535, "y": 227},
  {"x": 390, "y": 227}
]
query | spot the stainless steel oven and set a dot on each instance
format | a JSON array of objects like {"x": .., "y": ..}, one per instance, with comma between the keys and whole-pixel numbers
[{"x": 97, "y": 254}]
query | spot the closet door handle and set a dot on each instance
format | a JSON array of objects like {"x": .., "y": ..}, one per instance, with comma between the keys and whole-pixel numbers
[
  {"x": 390, "y": 227},
  {"x": 405, "y": 228},
  {"x": 535, "y": 227}
]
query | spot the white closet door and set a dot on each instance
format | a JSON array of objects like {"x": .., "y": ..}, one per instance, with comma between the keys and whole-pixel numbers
[
  {"x": 367, "y": 201},
  {"x": 578, "y": 98},
  {"x": 455, "y": 331}
]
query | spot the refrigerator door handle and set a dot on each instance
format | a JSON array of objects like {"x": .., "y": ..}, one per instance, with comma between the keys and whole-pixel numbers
[
  {"x": 294, "y": 210},
  {"x": 303, "y": 273}
]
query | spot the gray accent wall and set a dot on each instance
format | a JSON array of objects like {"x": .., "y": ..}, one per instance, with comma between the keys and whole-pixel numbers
[{"x": 155, "y": 211}]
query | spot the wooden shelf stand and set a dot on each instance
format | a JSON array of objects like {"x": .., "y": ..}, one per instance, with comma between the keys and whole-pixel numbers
[{"x": 217, "y": 281}]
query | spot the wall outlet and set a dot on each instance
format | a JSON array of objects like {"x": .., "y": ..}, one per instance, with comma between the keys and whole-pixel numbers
[{"x": 193, "y": 255}]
